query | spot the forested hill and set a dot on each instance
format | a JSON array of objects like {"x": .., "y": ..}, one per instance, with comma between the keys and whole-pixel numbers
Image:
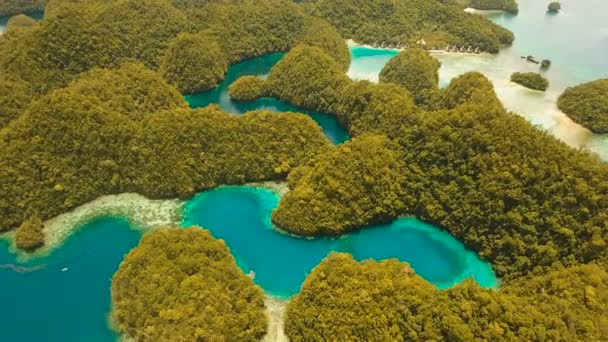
[{"x": 410, "y": 21}]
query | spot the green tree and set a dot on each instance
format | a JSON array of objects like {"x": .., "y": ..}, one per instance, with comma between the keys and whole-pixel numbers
[{"x": 30, "y": 235}]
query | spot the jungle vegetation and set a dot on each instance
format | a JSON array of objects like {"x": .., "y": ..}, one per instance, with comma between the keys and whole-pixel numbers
[
  {"x": 531, "y": 80},
  {"x": 509, "y": 6},
  {"x": 587, "y": 104},
  {"x": 519, "y": 197},
  {"x": 415, "y": 70},
  {"x": 30, "y": 235},
  {"x": 349, "y": 301},
  {"x": 247, "y": 88},
  {"x": 184, "y": 285},
  {"x": 127, "y": 130},
  {"x": 194, "y": 63},
  {"x": 409, "y": 21},
  {"x": 77, "y": 35},
  {"x": 13, "y": 7}
]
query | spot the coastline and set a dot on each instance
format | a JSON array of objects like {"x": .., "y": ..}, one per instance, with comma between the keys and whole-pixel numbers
[{"x": 140, "y": 212}]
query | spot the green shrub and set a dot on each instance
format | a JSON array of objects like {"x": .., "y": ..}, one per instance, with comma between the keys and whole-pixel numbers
[
  {"x": 184, "y": 285},
  {"x": 530, "y": 80}
]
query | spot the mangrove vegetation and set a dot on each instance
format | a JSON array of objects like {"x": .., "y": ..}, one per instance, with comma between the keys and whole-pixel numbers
[{"x": 587, "y": 104}]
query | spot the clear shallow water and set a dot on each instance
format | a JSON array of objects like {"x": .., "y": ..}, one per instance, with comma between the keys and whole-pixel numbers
[
  {"x": 576, "y": 40},
  {"x": 241, "y": 217},
  {"x": 49, "y": 304},
  {"x": 261, "y": 66}
]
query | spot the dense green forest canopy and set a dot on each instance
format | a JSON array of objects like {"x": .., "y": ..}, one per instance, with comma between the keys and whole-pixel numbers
[
  {"x": 415, "y": 70},
  {"x": 532, "y": 80},
  {"x": 127, "y": 130},
  {"x": 184, "y": 285},
  {"x": 76, "y": 36},
  {"x": 345, "y": 300},
  {"x": 358, "y": 183},
  {"x": 409, "y": 21},
  {"x": 12, "y": 7},
  {"x": 587, "y": 104},
  {"x": 516, "y": 195},
  {"x": 504, "y": 5}
]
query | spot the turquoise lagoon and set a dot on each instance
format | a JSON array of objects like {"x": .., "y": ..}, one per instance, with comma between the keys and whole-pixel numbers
[
  {"x": 241, "y": 217},
  {"x": 575, "y": 40},
  {"x": 65, "y": 296},
  {"x": 261, "y": 66}
]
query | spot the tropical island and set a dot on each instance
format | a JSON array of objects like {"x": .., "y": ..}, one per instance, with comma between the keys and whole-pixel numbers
[
  {"x": 92, "y": 103},
  {"x": 587, "y": 104},
  {"x": 530, "y": 80}
]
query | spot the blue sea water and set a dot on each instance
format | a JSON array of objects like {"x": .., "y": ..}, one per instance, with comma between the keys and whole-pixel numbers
[
  {"x": 241, "y": 217},
  {"x": 261, "y": 66},
  {"x": 64, "y": 297}
]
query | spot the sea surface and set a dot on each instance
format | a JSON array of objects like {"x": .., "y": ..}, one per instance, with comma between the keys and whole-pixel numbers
[
  {"x": 261, "y": 66},
  {"x": 575, "y": 40},
  {"x": 66, "y": 295}
]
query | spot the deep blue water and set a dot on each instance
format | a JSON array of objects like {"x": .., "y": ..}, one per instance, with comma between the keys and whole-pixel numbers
[
  {"x": 241, "y": 217},
  {"x": 49, "y": 304},
  {"x": 261, "y": 66}
]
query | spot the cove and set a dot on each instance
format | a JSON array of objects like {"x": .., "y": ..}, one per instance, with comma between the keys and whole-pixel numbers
[
  {"x": 575, "y": 40},
  {"x": 65, "y": 296},
  {"x": 261, "y": 66},
  {"x": 240, "y": 215}
]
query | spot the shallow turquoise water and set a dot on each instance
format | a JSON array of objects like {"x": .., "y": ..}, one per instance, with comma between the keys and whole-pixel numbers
[
  {"x": 241, "y": 217},
  {"x": 261, "y": 66},
  {"x": 49, "y": 304}
]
